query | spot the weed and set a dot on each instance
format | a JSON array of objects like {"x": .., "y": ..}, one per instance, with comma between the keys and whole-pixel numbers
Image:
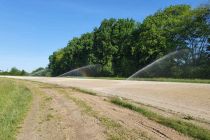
[{"x": 179, "y": 125}]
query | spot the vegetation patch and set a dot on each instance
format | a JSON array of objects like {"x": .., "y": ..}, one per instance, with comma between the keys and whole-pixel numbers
[
  {"x": 180, "y": 126},
  {"x": 84, "y": 91},
  {"x": 48, "y": 98},
  {"x": 14, "y": 102},
  {"x": 161, "y": 79},
  {"x": 206, "y": 81},
  {"x": 49, "y": 117},
  {"x": 188, "y": 117}
]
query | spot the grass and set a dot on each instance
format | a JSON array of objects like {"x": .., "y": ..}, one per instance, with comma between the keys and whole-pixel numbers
[
  {"x": 186, "y": 128},
  {"x": 161, "y": 79},
  {"x": 14, "y": 102},
  {"x": 49, "y": 117},
  {"x": 206, "y": 81},
  {"x": 84, "y": 91},
  {"x": 48, "y": 98},
  {"x": 107, "y": 78}
]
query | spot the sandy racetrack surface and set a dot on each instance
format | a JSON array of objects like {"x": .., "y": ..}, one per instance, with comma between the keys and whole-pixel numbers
[
  {"x": 63, "y": 114},
  {"x": 187, "y": 98}
]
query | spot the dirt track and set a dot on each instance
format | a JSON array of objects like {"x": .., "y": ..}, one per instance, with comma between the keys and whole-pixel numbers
[
  {"x": 185, "y": 98},
  {"x": 54, "y": 117},
  {"x": 64, "y": 114}
]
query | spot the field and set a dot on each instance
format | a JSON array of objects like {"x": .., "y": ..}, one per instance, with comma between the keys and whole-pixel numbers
[{"x": 110, "y": 109}]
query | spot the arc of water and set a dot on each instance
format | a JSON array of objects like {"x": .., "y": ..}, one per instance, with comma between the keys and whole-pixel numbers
[
  {"x": 82, "y": 71},
  {"x": 157, "y": 61},
  {"x": 38, "y": 72}
]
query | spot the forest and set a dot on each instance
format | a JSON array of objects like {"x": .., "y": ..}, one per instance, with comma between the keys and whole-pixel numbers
[{"x": 123, "y": 46}]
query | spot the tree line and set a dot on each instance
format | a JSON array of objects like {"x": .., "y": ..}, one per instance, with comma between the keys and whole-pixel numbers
[
  {"x": 17, "y": 72},
  {"x": 14, "y": 71},
  {"x": 122, "y": 46}
]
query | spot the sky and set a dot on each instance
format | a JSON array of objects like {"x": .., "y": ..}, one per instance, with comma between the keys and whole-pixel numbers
[{"x": 31, "y": 30}]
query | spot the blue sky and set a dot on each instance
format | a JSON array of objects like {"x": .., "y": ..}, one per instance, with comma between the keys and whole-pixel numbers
[{"x": 31, "y": 30}]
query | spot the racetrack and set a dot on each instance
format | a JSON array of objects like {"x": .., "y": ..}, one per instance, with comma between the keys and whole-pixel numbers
[{"x": 186, "y": 98}]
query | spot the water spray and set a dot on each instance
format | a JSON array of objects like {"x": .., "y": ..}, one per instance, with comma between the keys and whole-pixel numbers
[
  {"x": 158, "y": 63},
  {"x": 86, "y": 71}
]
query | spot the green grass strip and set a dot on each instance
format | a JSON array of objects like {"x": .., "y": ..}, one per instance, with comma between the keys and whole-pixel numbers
[
  {"x": 160, "y": 79},
  {"x": 14, "y": 103},
  {"x": 84, "y": 91},
  {"x": 186, "y": 128},
  {"x": 203, "y": 81}
]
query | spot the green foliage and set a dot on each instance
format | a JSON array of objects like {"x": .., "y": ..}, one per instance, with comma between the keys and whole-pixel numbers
[
  {"x": 14, "y": 102},
  {"x": 15, "y": 72},
  {"x": 179, "y": 125},
  {"x": 157, "y": 33},
  {"x": 84, "y": 91},
  {"x": 113, "y": 46},
  {"x": 122, "y": 46},
  {"x": 77, "y": 53},
  {"x": 37, "y": 70}
]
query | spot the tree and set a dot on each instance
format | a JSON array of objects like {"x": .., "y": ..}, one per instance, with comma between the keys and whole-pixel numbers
[
  {"x": 55, "y": 62},
  {"x": 112, "y": 45},
  {"x": 157, "y": 34},
  {"x": 122, "y": 46},
  {"x": 14, "y": 71},
  {"x": 77, "y": 53}
]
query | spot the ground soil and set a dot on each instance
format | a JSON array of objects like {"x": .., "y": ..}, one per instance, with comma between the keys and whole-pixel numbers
[
  {"x": 188, "y": 99},
  {"x": 53, "y": 117},
  {"x": 57, "y": 111},
  {"x": 130, "y": 119}
]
